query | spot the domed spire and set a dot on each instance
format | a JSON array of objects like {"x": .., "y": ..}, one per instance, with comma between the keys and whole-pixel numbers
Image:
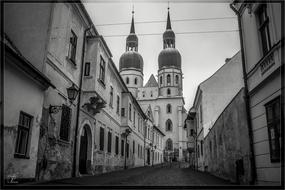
[
  {"x": 132, "y": 39},
  {"x": 168, "y": 35}
]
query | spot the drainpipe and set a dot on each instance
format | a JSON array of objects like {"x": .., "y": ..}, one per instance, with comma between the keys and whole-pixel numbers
[
  {"x": 78, "y": 103},
  {"x": 247, "y": 103}
]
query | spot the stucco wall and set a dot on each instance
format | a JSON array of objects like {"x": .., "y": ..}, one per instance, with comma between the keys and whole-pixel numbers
[
  {"x": 228, "y": 141},
  {"x": 21, "y": 93}
]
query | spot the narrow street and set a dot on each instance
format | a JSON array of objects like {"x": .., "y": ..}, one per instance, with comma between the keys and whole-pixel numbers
[{"x": 146, "y": 176}]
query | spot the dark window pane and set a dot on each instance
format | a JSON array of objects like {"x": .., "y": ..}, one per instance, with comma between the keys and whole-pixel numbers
[
  {"x": 65, "y": 123},
  {"x": 122, "y": 147},
  {"x": 87, "y": 69},
  {"x": 109, "y": 141},
  {"x": 101, "y": 138},
  {"x": 23, "y": 134},
  {"x": 117, "y": 145}
]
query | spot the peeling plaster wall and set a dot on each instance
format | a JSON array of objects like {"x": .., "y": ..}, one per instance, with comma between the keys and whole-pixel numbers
[
  {"x": 21, "y": 93},
  {"x": 229, "y": 141}
]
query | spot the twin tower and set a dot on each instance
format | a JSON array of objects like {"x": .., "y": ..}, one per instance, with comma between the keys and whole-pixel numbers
[{"x": 169, "y": 63}]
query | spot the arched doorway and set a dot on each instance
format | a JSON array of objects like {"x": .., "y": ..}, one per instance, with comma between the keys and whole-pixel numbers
[{"x": 84, "y": 151}]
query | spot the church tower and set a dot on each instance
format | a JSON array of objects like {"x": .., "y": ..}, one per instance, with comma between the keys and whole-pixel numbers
[
  {"x": 169, "y": 64},
  {"x": 131, "y": 63}
]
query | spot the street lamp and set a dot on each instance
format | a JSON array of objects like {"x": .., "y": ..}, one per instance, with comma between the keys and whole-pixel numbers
[
  {"x": 126, "y": 133},
  {"x": 72, "y": 93}
]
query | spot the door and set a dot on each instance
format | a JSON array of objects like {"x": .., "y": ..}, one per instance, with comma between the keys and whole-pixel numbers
[
  {"x": 148, "y": 157},
  {"x": 83, "y": 152}
]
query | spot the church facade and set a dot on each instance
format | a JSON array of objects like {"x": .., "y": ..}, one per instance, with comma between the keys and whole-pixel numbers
[{"x": 164, "y": 96}]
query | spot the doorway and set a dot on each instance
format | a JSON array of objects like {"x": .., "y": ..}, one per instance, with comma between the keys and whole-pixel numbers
[{"x": 83, "y": 152}]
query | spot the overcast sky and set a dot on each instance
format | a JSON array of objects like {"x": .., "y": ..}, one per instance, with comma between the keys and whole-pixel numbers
[{"x": 202, "y": 53}]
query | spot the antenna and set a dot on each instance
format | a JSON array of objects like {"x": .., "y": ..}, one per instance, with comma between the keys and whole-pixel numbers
[{"x": 168, "y": 5}]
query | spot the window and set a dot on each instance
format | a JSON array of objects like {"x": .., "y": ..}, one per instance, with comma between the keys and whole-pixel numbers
[
  {"x": 134, "y": 118},
  {"x": 111, "y": 96},
  {"x": 118, "y": 105},
  {"x": 127, "y": 149},
  {"x": 202, "y": 148},
  {"x": 160, "y": 79},
  {"x": 102, "y": 70},
  {"x": 176, "y": 79},
  {"x": 87, "y": 69},
  {"x": 201, "y": 114},
  {"x": 168, "y": 91},
  {"x": 22, "y": 141},
  {"x": 151, "y": 94},
  {"x": 169, "y": 144},
  {"x": 134, "y": 147},
  {"x": 168, "y": 79},
  {"x": 198, "y": 151},
  {"x": 72, "y": 47},
  {"x": 136, "y": 80},
  {"x": 168, "y": 125},
  {"x": 130, "y": 112},
  {"x": 101, "y": 144},
  {"x": 109, "y": 141},
  {"x": 138, "y": 150},
  {"x": 273, "y": 124},
  {"x": 122, "y": 147},
  {"x": 143, "y": 93},
  {"x": 127, "y": 80},
  {"x": 123, "y": 112},
  {"x": 168, "y": 108},
  {"x": 117, "y": 145},
  {"x": 191, "y": 132},
  {"x": 65, "y": 123},
  {"x": 264, "y": 28}
]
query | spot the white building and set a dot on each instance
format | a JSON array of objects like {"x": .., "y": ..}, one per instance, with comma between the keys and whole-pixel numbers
[
  {"x": 166, "y": 98},
  {"x": 261, "y": 39}
]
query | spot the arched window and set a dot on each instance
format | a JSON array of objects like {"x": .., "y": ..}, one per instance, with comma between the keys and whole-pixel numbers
[
  {"x": 127, "y": 80},
  {"x": 169, "y": 144},
  {"x": 168, "y": 80},
  {"x": 160, "y": 80},
  {"x": 168, "y": 108},
  {"x": 168, "y": 91},
  {"x": 136, "y": 80},
  {"x": 176, "y": 79},
  {"x": 168, "y": 125}
]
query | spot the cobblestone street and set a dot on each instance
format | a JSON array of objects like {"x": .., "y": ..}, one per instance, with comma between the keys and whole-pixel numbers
[{"x": 146, "y": 176}]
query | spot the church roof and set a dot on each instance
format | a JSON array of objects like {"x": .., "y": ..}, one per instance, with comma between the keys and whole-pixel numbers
[{"x": 151, "y": 82}]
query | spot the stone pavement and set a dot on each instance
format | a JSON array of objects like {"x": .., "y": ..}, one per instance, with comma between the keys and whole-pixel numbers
[{"x": 146, "y": 176}]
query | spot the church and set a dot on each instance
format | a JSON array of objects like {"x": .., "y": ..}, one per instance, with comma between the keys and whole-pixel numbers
[{"x": 165, "y": 95}]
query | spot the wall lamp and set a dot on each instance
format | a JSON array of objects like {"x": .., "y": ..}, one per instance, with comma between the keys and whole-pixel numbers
[{"x": 72, "y": 93}]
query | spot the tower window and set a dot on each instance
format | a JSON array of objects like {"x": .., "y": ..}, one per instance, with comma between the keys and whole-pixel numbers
[
  {"x": 169, "y": 144},
  {"x": 168, "y": 108},
  {"x": 87, "y": 69},
  {"x": 127, "y": 80},
  {"x": 168, "y": 91},
  {"x": 168, "y": 80},
  {"x": 151, "y": 94},
  {"x": 176, "y": 79},
  {"x": 130, "y": 112},
  {"x": 136, "y": 80},
  {"x": 160, "y": 80},
  {"x": 168, "y": 125}
]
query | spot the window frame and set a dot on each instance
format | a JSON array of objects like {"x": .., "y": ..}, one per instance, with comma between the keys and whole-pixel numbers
[
  {"x": 118, "y": 105},
  {"x": 72, "y": 47},
  {"x": 168, "y": 108},
  {"x": 101, "y": 138},
  {"x": 27, "y": 129},
  {"x": 87, "y": 69},
  {"x": 117, "y": 145},
  {"x": 273, "y": 124},
  {"x": 168, "y": 79},
  {"x": 102, "y": 68},
  {"x": 62, "y": 128},
  {"x": 111, "y": 96},
  {"x": 109, "y": 144}
]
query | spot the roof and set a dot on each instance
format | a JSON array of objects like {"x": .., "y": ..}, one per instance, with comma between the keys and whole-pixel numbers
[
  {"x": 151, "y": 82},
  {"x": 12, "y": 51}
]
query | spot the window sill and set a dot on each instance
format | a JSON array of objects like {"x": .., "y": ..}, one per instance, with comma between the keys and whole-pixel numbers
[
  {"x": 16, "y": 155},
  {"x": 102, "y": 83},
  {"x": 63, "y": 142},
  {"x": 71, "y": 62}
]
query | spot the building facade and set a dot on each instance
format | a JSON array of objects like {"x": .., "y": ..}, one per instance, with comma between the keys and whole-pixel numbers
[
  {"x": 261, "y": 42},
  {"x": 165, "y": 98},
  {"x": 212, "y": 96}
]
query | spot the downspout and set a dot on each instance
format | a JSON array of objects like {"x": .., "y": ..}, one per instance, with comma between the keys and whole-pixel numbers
[
  {"x": 247, "y": 103},
  {"x": 79, "y": 102},
  {"x": 144, "y": 136}
]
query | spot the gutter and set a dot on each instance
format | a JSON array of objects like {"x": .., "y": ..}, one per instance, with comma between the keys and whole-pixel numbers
[
  {"x": 247, "y": 103},
  {"x": 79, "y": 102}
]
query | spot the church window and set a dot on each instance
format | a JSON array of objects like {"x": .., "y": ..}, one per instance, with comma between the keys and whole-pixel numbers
[
  {"x": 168, "y": 91},
  {"x": 169, "y": 145},
  {"x": 168, "y": 108},
  {"x": 168, "y": 80},
  {"x": 176, "y": 79},
  {"x": 151, "y": 94},
  {"x": 168, "y": 125},
  {"x": 127, "y": 80},
  {"x": 136, "y": 80}
]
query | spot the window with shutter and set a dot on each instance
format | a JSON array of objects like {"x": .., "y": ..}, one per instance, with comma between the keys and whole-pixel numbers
[{"x": 65, "y": 123}]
